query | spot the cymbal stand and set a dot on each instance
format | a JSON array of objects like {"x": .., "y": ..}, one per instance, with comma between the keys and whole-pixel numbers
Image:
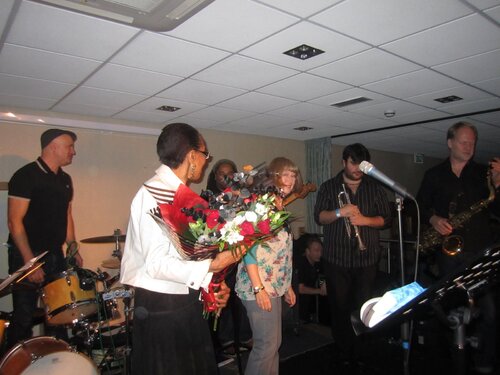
[{"x": 117, "y": 251}]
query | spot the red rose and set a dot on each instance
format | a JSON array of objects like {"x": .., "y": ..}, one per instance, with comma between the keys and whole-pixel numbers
[
  {"x": 264, "y": 226},
  {"x": 212, "y": 218},
  {"x": 246, "y": 228}
]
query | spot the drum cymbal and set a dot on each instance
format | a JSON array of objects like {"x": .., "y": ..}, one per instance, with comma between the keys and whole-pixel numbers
[
  {"x": 111, "y": 263},
  {"x": 105, "y": 239}
]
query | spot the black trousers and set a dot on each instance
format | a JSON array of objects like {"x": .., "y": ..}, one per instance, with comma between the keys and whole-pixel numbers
[{"x": 348, "y": 289}]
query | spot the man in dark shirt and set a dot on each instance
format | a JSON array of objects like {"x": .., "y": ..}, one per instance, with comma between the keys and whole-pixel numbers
[
  {"x": 40, "y": 219},
  {"x": 453, "y": 187},
  {"x": 311, "y": 280},
  {"x": 350, "y": 271}
]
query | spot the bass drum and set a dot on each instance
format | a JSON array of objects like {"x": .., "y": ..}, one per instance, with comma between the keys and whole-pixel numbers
[{"x": 46, "y": 355}]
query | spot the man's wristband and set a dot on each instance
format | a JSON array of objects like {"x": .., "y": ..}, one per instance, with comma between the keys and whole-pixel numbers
[
  {"x": 257, "y": 289},
  {"x": 337, "y": 212}
]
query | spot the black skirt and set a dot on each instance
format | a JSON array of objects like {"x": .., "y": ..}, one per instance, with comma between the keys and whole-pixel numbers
[{"x": 170, "y": 335}]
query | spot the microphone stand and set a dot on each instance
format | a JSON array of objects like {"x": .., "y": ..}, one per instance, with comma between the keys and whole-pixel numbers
[{"x": 405, "y": 326}]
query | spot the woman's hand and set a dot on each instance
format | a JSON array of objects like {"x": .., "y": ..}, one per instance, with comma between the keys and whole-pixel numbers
[
  {"x": 263, "y": 300},
  {"x": 290, "y": 297},
  {"x": 222, "y": 296},
  {"x": 223, "y": 260}
]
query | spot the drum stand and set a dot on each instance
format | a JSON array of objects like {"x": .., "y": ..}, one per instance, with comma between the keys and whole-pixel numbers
[{"x": 127, "y": 312}]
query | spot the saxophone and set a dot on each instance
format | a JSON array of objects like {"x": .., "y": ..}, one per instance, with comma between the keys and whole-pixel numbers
[{"x": 453, "y": 244}]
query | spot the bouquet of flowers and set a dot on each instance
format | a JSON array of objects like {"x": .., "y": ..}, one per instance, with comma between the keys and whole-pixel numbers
[{"x": 234, "y": 220}]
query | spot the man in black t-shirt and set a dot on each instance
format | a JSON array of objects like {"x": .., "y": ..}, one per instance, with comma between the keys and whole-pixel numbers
[
  {"x": 312, "y": 282},
  {"x": 40, "y": 219}
]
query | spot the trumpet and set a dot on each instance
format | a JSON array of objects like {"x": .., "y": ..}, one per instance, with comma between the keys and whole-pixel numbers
[{"x": 343, "y": 195}]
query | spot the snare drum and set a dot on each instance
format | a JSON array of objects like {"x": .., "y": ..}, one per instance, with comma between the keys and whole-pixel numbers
[
  {"x": 69, "y": 298},
  {"x": 46, "y": 355}
]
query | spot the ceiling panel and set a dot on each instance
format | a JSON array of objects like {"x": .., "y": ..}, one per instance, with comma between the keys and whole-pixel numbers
[
  {"x": 253, "y": 22},
  {"x": 225, "y": 67},
  {"x": 381, "y": 21},
  {"x": 455, "y": 40}
]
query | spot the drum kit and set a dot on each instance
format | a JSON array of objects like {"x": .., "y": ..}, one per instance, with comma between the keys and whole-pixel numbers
[{"x": 90, "y": 305}]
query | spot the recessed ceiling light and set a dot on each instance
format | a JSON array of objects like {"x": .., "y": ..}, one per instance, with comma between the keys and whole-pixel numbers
[
  {"x": 448, "y": 99},
  {"x": 168, "y": 108},
  {"x": 303, "y": 128},
  {"x": 303, "y": 52},
  {"x": 10, "y": 114}
]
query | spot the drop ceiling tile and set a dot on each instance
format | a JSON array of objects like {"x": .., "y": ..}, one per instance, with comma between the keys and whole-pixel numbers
[
  {"x": 299, "y": 7},
  {"x": 199, "y": 123},
  {"x": 31, "y": 87},
  {"x": 244, "y": 73},
  {"x": 221, "y": 114},
  {"x": 59, "y": 30},
  {"x": 26, "y": 102},
  {"x": 419, "y": 116},
  {"x": 334, "y": 45},
  {"x": 342, "y": 119},
  {"x": 353, "y": 93},
  {"x": 398, "y": 106},
  {"x": 303, "y": 111},
  {"x": 131, "y": 80},
  {"x": 200, "y": 92},
  {"x": 483, "y": 4},
  {"x": 219, "y": 20},
  {"x": 142, "y": 116},
  {"x": 474, "y": 68},
  {"x": 164, "y": 54},
  {"x": 33, "y": 63},
  {"x": 150, "y": 105},
  {"x": 454, "y": 40},
  {"x": 471, "y": 106},
  {"x": 100, "y": 98},
  {"x": 366, "y": 67},
  {"x": 378, "y": 22},
  {"x": 256, "y": 102},
  {"x": 467, "y": 94},
  {"x": 491, "y": 85},
  {"x": 84, "y": 109},
  {"x": 494, "y": 13},
  {"x": 412, "y": 84},
  {"x": 260, "y": 122},
  {"x": 304, "y": 87}
]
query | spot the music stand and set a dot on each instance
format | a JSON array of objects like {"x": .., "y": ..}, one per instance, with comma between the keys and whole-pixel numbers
[{"x": 472, "y": 278}]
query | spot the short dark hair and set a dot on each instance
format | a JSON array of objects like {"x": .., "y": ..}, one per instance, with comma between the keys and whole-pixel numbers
[
  {"x": 357, "y": 152},
  {"x": 51, "y": 134},
  {"x": 452, "y": 131},
  {"x": 211, "y": 181},
  {"x": 312, "y": 239},
  {"x": 175, "y": 141}
]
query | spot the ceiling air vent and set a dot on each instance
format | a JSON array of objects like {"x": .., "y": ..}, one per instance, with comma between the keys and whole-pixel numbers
[
  {"x": 303, "y": 128},
  {"x": 448, "y": 99},
  {"x": 155, "y": 15},
  {"x": 168, "y": 108},
  {"x": 345, "y": 103}
]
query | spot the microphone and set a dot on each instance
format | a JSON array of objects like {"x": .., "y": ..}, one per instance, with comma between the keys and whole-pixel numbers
[{"x": 370, "y": 170}]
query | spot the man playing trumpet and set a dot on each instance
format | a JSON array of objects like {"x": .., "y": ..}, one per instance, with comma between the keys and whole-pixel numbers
[{"x": 352, "y": 208}]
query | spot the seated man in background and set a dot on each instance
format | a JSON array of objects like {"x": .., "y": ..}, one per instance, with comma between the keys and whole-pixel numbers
[{"x": 311, "y": 282}]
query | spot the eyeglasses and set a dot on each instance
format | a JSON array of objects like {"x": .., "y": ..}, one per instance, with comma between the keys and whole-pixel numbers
[{"x": 206, "y": 153}]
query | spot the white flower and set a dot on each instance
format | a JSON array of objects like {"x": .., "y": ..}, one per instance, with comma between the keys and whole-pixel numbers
[
  {"x": 251, "y": 216},
  {"x": 260, "y": 209}
]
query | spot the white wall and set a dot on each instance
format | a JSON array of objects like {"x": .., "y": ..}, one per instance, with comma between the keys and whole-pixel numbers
[{"x": 109, "y": 168}]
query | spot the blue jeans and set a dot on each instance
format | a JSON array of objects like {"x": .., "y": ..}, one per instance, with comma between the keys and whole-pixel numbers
[{"x": 266, "y": 331}]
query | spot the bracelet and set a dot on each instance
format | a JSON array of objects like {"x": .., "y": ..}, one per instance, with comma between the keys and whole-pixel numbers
[
  {"x": 337, "y": 212},
  {"x": 257, "y": 289}
]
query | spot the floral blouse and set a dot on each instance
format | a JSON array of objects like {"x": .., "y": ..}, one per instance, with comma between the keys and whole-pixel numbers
[{"x": 274, "y": 261}]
